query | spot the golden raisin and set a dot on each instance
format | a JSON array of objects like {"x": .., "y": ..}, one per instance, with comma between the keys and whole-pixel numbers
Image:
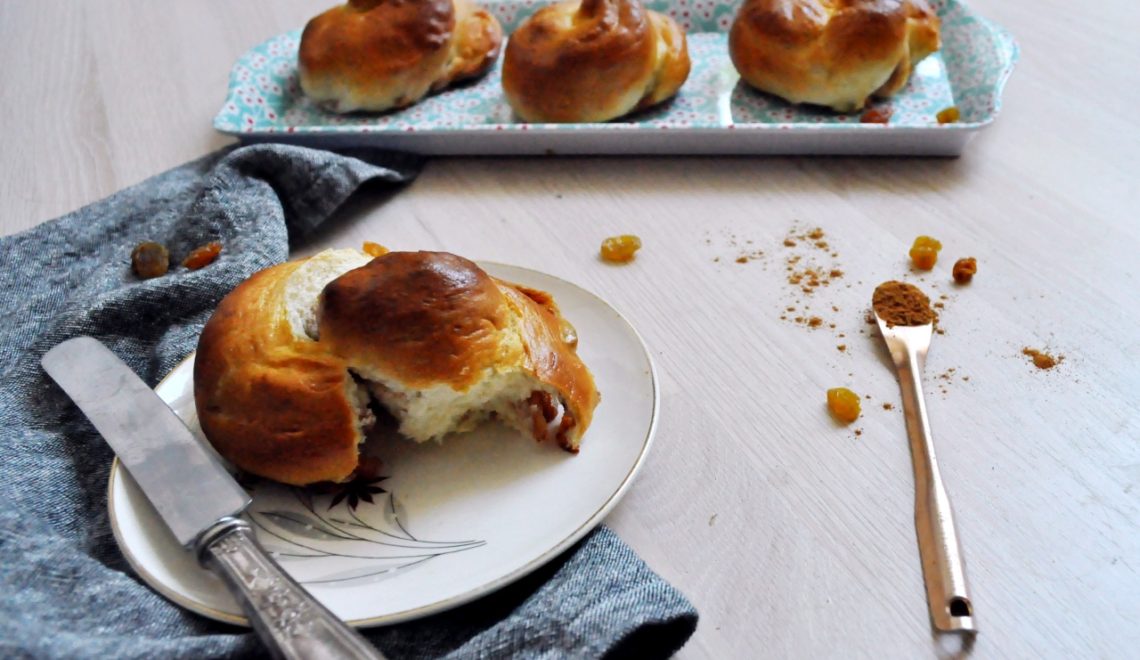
[
  {"x": 924, "y": 252},
  {"x": 149, "y": 260},
  {"x": 965, "y": 269},
  {"x": 202, "y": 256},
  {"x": 843, "y": 404},
  {"x": 949, "y": 115},
  {"x": 620, "y": 249},
  {"x": 374, "y": 249},
  {"x": 1041, "y": 359}
]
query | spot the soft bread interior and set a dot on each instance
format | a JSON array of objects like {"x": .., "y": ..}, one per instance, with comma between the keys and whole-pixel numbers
[
  {"x": 302, "y": 291},
  {"x": 508, "y": 396}
]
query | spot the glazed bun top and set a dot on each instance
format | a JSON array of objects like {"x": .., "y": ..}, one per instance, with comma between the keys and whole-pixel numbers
[
  {"x": 592, "y": 61},
  {"x": 420, "y": 318}
]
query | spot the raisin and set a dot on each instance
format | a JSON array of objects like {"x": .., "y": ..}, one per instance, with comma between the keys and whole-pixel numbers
[
  {"x": 150, "y": 259},
  {"x": 965, "y": 269},
  {"x": 843, "y": 404},
  {"x": 924, "y": 252},
  {"x": 202, "y": 256},
  {"x": 620, "y": 249},
  {"x": 374, "y": 249},
  {"x": 876, "y": 116},
  {"x": 949, "y": 115}
]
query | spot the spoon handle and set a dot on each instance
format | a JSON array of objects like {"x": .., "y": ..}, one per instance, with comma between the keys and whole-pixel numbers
[{"x": 951, "y": 609}]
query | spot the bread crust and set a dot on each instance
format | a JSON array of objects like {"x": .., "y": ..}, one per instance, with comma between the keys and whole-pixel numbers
[
  {"x": 375, "y": 55},
  {"x": 592, "y": 61},
  {"x": 553, "y": 358},
  {"x": 835, "y": 53},
  {"x": 270, "y": 403}
]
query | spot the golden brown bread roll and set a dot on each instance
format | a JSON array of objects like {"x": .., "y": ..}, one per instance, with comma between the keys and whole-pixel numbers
[
  {"x": 375, "y": 55},
  {"x": 834, "y": 53},
  {"x": 285, "y": 365},
  {"x": 592, "y": 61}
]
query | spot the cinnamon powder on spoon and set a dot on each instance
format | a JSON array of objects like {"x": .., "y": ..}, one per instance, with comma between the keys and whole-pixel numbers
[{"x": 899, "y": 303}]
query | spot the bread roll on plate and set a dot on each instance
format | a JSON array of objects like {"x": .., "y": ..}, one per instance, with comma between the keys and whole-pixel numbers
[
  {"x": 834, "y": 53},
  {"x": 375, "y": 55},
  {"x": 593, "y": 61},
  {"x": 289, "y": 362}
]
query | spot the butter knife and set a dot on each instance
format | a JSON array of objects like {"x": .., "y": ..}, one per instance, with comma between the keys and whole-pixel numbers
[{"x": 198, "y": 500}]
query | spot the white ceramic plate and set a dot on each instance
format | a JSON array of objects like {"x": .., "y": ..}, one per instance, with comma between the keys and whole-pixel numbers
[{"x": 457, "y": 520}]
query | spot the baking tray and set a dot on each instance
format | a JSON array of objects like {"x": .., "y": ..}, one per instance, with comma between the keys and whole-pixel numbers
[{"x": 714, "y": 113}]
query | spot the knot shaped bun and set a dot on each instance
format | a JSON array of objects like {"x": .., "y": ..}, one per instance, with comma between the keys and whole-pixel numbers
[
  {"x": 374, "y": 55},
  {"x": 834, "y": 53},
  {"x": 420, "y": 318},
  {"x": 592, "y": 61},
  {"x": 290, "y": 361}
]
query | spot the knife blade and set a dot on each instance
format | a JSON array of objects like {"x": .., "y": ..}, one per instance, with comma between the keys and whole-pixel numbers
[
  {"x": 186, "y": 484},
  {"x": 197, "y": 500}
]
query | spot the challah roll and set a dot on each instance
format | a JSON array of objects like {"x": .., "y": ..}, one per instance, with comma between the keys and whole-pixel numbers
[
  {"x": 592, "y": 61},
  {"x": 289, "y": 362},
  {"x": 834, "y": 53},
  {"x": 374, "y": 55}
]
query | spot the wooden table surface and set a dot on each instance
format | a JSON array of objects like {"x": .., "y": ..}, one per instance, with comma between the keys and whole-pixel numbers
[{"x": 793, "y": 535}]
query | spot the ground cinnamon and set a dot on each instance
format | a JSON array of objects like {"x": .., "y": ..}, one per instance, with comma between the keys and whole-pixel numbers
[{"x": 899, "y": 303}]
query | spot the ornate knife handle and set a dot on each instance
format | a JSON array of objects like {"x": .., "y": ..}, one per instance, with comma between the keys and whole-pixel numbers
[{"x": 286, "y": 617}]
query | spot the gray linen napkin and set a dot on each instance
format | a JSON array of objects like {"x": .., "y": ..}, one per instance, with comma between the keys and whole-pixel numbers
[{"x": 65, "y": 590}]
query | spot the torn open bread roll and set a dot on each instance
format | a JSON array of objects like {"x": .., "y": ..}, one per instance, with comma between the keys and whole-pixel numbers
[{"x": 289, "y": 362}]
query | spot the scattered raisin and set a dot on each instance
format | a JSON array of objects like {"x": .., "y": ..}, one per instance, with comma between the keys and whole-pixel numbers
[
  {"x": 620, "y": 249},
  {"x": 374, "y": 249},
  {"x": 965, "y": 269},
  {"x": 202, "y": 256},
  {"x": 924, "y": 252},
  {"x": 843, "y": 404},
  {"x": 949, "y": 115},
  {"x": 149, "y": 260},
  {"x": 1041, "y": 359},
  {"x": 876, "y": 116}
]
